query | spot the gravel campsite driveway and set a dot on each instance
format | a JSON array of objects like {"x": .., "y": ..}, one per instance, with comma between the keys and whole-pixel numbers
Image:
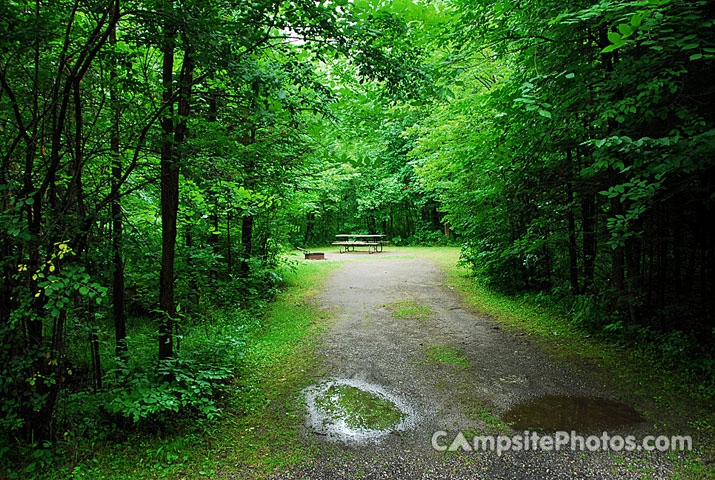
[{"x": 399, "y": 326}]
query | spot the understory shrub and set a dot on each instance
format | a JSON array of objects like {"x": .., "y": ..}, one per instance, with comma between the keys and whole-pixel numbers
[{"x": 177, "y": 385}]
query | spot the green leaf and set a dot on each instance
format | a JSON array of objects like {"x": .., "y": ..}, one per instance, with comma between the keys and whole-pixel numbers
[
  {"x": 83, "y": 290},
  {"x": 625, "y": 29},
  {"x": 636, "y": 20},
  {"x": 544, "y": 113},
  {"x": 696, "y": 56},
  {"x": 615, "y": 38}
]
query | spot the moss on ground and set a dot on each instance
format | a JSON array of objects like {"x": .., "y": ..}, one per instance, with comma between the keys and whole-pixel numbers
[
  {"x": 409, "y": 310},
  {"x": 446, "y": 355},
  {"x": 359, "y": 409}
]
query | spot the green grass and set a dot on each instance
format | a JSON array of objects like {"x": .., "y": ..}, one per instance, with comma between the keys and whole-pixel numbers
[
  {"x": 409, "y": 310},
  {"x": 259, "y": 428},
  {"x": 360, "y": 409},
  {"x": 446, "y": 355}
]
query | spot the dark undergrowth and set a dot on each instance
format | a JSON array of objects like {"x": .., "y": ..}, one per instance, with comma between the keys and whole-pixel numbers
[{"x": 232, "y": 403}]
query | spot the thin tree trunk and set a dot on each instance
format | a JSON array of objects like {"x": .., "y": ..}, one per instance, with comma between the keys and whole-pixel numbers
[
  {"x": 214, "y": 236},
  {"x": 678, "y": 248},
  {"x": 170, "y": 159},
  {"x": 94, "y": 351},
  {"x": 588, "y": 222},
  {"x": 247, "y": 220},
  {"x": 309, "y": 226},
  {"x": 229, "y": 249},
  {"x": 213, "y": 200},
  {"x": 571, "y": 223},
  {"x": 617, "y": 256},
  {"x": 573, "y": 249},
  {"x": 118, "y": 292},
  {"x": 246, "y": 243},
  {"x": 632, "y": 255},
  {"x": 191, "y": 269},
  {"x": 662, "y": 255}
]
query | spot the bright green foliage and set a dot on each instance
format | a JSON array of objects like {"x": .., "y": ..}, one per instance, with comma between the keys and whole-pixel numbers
[
  {"x": 366, "y": 183},
  {"x": 123, "y": 118},
  {"x": 568, "y": 146},
  {"x": 145, "y": 397},
  {"x": 410, "y": 310},
  {"x": 578, "y": 157}
]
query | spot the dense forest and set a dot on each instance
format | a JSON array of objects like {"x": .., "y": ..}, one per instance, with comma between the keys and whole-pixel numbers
[{"x": 158, "y": 158}]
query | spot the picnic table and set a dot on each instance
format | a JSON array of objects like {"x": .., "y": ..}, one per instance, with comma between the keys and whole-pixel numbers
[{"x": 348, "y": 241}]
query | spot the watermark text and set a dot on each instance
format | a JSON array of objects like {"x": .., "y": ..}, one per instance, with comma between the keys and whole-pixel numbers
[{"x": 534, "y": 441}]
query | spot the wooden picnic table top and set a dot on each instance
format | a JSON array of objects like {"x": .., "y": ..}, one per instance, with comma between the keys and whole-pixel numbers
[
  {"x": 371, "y": 241},
  {"x": 350, "y": 235},
  {"x": 358, "y": 243}
]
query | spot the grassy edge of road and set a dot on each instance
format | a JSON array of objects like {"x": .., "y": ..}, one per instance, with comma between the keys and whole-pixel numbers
[
  {"x": 259, "y": 429},
  {"x": 640, "y": 377}
]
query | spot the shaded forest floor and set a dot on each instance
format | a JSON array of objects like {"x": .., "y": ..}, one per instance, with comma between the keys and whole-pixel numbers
[{"x": 408, "y": 320}]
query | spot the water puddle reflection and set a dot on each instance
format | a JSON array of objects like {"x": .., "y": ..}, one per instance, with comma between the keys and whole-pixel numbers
[
  {"x": 352, "y": 410},
  {"x": 552, "y": 413}
]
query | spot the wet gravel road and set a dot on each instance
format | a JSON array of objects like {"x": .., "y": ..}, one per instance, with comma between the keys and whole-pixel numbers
[{"x": 367, "y": 341}]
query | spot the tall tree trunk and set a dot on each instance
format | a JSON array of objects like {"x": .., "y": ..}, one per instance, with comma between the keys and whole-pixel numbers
[
  {"x": 169, "y": 199},
  {"x": 679, "y": 241},
  {"x": 229, "y": 243},
  {"x": 170, "y": 159},
  {"x": 94, "y": 350},
  {"x": 37, "y": 423},
  {"x": 617, "y": 255},
  {"x": 662, "y": 270},
  {"x": 309, "y": 226},
  {"x": 191, "y": 269},
  {"x": 213, "y": 238},
  {"x": 633, "y": 284}
]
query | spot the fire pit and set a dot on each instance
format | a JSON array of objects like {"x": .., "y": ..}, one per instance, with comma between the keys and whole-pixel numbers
[{"x": 312, "y": 255}]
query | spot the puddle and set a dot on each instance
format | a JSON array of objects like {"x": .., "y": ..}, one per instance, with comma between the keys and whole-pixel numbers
[
  {"x": 351, "y": 410},
  {"x": 552, "y": 413}
]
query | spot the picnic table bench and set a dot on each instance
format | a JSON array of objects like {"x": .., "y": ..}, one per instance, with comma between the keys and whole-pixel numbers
[{"x": 347, "y": 242}]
